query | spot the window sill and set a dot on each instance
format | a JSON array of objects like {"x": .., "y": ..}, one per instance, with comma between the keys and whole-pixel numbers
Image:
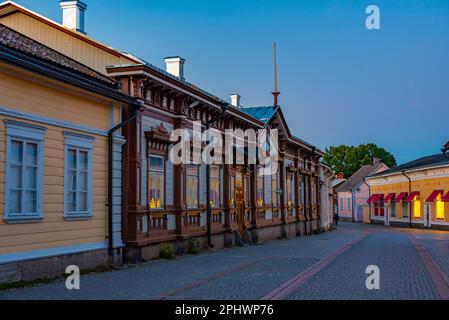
[
  {"x": 80, "y": 217},
  {"x": 22, "y": 219}
]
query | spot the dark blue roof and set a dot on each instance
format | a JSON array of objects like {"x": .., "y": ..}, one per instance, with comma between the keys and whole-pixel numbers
[{"x": 263, "y": 114}]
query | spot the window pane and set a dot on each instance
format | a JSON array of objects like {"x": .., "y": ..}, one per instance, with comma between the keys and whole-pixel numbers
[
  {"x": 71, "y": 158},
  {"x": 192, "y": 170},
  {"x": 82, "y": 201},
  {"x": 16, "y": 177},
  {"x": 31, "y": 178},
  {"x": 215, "y": 172},
  {"x": 15, "y": 201},
  {"x": 83, "y": 181},
  {"x": 232, "y": 191},
  {"x": 156, "y": 163},
  {"x": 30, "y": 202},
  {"x": 71, "y": 202},
  {"x": 31, "y": 154},
  {"x": 72, "y": 180},
  {"x": 83, "y": 160},
  {"x": 192, "y": 191},
  {"x": 16, "y": 152},
  {"x": 215, "y": 193},
  {"x": 156, "y": 190}
]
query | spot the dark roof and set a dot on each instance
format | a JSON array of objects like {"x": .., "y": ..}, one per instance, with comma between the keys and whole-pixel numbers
[
  {"x": 181, "y": 80},
  {"x": 358, "y": 177},
  {"x": 263, "y": 114},
  {"x": 20, "y": 43},
  {"x": 425, "y": 162}
]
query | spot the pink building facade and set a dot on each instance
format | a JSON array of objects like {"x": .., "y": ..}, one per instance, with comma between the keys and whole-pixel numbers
[{"x": 354, "y": 193}]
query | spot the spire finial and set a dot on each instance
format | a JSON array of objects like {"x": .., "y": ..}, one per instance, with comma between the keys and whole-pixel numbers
[{"x": 275, "y": 93}]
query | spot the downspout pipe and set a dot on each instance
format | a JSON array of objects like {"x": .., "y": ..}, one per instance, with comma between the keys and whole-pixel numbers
[
  {"x": 409, "y": 192},
  {"x": 111, "y": 132}
]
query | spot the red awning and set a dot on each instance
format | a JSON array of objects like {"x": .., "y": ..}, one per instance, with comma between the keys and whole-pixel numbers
[
  {"x": 375, "y": 198},
  {"x": 412, "y": 196},
  {"x": 401, "y": 197},
  {"x": 434, "y": 195},
  {"x": 390, "y": 197},
  {"x": 445, "y": 198}
]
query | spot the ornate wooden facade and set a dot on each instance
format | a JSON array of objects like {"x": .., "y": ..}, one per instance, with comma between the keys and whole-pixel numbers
[{"x": 166, "y": 106}]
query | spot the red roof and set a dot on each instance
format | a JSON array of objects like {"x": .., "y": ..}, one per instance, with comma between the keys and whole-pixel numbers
[
  {"x": 445, "y": 198},
  {"x": 375, "y": 198},
  {"x": 434, "y": 195},
  {"x": 412, "y": 196},
  {"x": 390, "y": 197},
  {"x": 401, "y": 197}
]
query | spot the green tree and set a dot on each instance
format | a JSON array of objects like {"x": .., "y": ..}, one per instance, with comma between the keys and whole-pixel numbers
[{"x": 349, "y": 159}]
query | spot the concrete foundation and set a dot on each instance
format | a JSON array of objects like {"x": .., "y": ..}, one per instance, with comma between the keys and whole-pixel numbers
[{"x": 54, "y": 267}]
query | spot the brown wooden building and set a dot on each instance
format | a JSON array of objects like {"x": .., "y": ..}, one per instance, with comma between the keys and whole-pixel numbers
[{"x": 163, "y": 202}]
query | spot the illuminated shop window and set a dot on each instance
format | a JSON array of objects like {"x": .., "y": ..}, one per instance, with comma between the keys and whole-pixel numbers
[
  {"x": 417, "y": 207},
  {"x": 439, "y": 206}
]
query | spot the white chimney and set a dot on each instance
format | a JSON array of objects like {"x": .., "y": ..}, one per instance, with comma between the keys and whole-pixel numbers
[
  {"x": 175, "y": 66},
  {"x": 235, "y": 100},
  {"x": 73, "y": 14}
]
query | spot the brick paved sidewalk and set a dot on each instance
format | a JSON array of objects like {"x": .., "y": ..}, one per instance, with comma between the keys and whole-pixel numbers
[
  {"x": 153, "y": 279},
  {"x": 254, "y": 271}
]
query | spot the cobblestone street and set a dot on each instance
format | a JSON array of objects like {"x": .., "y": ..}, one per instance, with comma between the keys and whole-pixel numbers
[{"x": 414, "y": 264}]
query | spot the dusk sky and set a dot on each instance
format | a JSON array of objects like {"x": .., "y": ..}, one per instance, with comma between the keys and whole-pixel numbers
[{"x": 340, "y": 83}]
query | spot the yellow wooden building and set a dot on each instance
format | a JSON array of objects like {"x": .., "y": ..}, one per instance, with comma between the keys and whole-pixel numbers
[
  {"x": 56, "y": 111},
  {"x": 414, "y": 194}
]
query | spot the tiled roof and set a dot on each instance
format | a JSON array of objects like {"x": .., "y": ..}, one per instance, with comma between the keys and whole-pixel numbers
[
  {"x": 18, "y": 42},
  {"x": 263, "y": 114},
  {"x": 358, "y": 177},
  {"x": 421, "y": 163}
]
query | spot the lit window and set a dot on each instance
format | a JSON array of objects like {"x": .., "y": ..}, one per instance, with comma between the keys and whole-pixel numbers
[
  {"x": 274, "y": 187},
  {"x": 192, "y": 174},
  {"x": 215, "y": 199},
  {"x": 232, "y": 191},
  {"x": 260, "y": 190},
  {"x": 23, "y": 196},
  {"x": 417, "y": 207},
  {"x": 156, "y": 182},
  {"x": 439, "y": 208},
  {"x": 289, "y": 190},
  {"x": 247, "y": 191}
]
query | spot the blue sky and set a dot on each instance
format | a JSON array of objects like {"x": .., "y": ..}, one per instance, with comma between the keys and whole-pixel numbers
[{"x": 340, "y": 83}]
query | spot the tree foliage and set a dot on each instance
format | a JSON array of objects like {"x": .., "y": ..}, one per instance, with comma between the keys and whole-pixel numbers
[{"x": 349, "y": 159}]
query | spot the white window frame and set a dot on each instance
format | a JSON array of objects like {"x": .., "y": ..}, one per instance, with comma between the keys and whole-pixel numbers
[
  {"x": 79, "y": 142},
  {"x": 24, "y": 132}
]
